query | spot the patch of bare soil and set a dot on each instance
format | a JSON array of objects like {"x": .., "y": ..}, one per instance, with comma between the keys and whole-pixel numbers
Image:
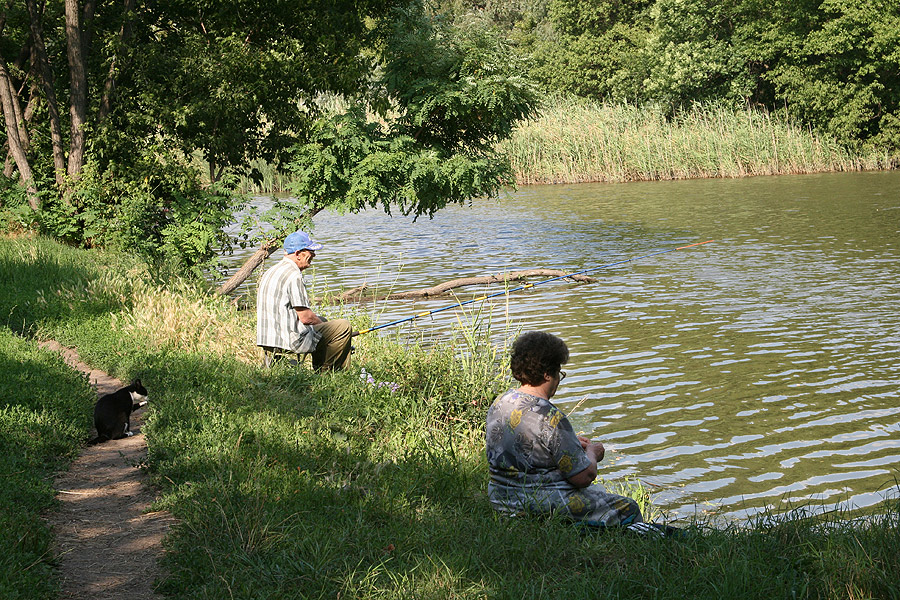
[{"x": 107, "y": 542}]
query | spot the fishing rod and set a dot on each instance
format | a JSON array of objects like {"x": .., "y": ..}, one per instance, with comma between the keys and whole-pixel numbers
[{"x": 524, "y": 287}]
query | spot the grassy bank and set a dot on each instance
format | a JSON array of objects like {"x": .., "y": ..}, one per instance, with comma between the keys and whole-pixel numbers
[
  {"x": 291, "y": 484},
  {"x": 577, "y": 141},
  {"x": 574, "y": 141}
]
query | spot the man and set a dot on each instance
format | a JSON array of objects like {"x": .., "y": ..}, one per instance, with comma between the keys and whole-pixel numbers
[{"x": 284, "y": 320}]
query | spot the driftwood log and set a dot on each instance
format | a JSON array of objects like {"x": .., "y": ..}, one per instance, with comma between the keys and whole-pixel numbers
[{"x": 358, "y": 294}]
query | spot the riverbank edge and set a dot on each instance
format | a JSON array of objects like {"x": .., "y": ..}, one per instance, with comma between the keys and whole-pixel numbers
[{"x": 287, "y": 480}]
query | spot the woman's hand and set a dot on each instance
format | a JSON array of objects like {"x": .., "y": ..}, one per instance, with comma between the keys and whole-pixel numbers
[
  {"x": 599, "y": 450},
  {"x": 595, "y": 452}
]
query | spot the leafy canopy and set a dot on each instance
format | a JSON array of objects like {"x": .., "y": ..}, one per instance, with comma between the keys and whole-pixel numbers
[{"x": 443, "y": 97}]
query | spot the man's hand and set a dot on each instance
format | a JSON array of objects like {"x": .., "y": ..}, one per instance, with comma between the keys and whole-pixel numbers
[{"x": 599, "y": 450}]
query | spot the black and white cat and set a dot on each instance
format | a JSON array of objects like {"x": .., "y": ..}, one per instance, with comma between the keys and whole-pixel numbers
[{"x": 112, "y": 413}]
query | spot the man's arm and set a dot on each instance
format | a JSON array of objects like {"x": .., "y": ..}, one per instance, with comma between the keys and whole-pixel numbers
[{"x": 307, "y": 316}]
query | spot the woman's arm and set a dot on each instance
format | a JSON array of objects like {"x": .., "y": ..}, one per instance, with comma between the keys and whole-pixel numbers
[{"x": 595, "y": 452}]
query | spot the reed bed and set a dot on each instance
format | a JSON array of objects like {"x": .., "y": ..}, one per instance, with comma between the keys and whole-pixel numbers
[{"x": 576, "y": 141}]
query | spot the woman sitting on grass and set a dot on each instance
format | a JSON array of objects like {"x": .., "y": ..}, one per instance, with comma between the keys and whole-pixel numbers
[{"x": 537, "y": 463}]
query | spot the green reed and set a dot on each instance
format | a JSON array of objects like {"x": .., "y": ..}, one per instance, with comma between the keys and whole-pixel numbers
[{"x": 574, "y": 141}]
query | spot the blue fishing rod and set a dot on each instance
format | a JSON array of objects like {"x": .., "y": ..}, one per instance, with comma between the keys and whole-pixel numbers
[{"x": 524, "y": 287}]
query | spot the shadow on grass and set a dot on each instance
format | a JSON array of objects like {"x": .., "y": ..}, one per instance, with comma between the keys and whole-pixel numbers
[
  {"x": 292, "y": 484},
  {"x": 283, "y": 483}
]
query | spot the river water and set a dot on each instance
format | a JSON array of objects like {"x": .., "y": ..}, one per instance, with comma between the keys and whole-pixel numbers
[{"x": 758, "y": 371}]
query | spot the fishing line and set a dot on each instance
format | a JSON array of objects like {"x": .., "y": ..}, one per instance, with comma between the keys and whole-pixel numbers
[{"x": 524, "y": 287}]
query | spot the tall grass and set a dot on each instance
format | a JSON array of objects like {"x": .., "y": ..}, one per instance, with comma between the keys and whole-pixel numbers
[
  {"x": 291, "y": 484},
  {"x": 573, "y": 141}
]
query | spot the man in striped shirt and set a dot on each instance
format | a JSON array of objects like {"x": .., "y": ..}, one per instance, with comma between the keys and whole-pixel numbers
[{"x": 284, "y": 320}]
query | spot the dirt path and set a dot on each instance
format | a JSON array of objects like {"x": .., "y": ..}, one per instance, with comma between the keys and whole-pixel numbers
[{"x": 108, "y": 543}]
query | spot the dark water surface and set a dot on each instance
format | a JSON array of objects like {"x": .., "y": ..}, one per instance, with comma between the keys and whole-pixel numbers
[{"x": 758, "y": 369}]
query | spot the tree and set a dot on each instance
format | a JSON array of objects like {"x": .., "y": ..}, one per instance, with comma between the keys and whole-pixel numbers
[
  {"x": 442, "y": 99},
  {"x": 115, "y": 95},
  {"x": 694, "y": 54},
  {"x": 594, "y": 50},
  {"x": 836, "y": 65}
]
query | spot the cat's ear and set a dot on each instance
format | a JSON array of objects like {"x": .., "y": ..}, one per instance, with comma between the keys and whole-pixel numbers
[{"x": 137, "y": 382}]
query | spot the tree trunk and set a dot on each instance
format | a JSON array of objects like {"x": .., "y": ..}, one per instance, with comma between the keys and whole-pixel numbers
[
  {"x": 87, "y": 26},
  {"x": 265, "y": 251},
  {"x": 258, "y": 258},
  {"x": 16, "y": 148},
  {"x": 46, "y": 79},
  {"x": 77, "y": 87},
  {"x": 21, "y": 125},
  {"x": 109, "y": 86},
  {"x": 9, "y": 166}
]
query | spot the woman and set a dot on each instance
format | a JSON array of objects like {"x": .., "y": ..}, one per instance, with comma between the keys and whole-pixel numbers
[{"x": 537, "y": 463}]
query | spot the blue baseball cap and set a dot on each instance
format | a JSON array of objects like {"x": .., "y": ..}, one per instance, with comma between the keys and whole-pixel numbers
[{"x": 299, "y": 241}]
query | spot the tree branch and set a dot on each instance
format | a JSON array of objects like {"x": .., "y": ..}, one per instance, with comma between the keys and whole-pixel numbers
[
  {"x": 356, "y": 294},
  {"x": 268, "y": 247}
]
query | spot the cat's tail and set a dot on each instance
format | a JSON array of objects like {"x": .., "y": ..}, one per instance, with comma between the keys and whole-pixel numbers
[{"x": 98, "y": 440}]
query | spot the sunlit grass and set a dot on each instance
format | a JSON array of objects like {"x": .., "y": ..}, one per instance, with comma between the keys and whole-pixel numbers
[{"x": 184, "y": 318}]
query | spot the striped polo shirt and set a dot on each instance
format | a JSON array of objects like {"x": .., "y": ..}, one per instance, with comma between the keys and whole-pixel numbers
[{"x": 281, "y": 290}]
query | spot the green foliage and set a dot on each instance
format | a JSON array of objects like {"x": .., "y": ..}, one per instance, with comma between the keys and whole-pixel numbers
[
  {"x": 15, "y": 214},
  {"x": 350, "y": 164},
  {"x": 156, "y": 209},
  {"x": 594, "y": 49},
  {"x": 446, "y": 96},
  {"x": 833, "y": 64},
  {"x": 693, "y": 54},
  {"x": 838, "y": 65},
  {"x": 245, "y": 73}
]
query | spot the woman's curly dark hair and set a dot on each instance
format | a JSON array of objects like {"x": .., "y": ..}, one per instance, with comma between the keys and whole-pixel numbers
[{"x": 535, "y": 354}]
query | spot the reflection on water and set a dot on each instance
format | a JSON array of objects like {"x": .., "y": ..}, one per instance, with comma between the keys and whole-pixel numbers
[{"x": 736, "y": 375}]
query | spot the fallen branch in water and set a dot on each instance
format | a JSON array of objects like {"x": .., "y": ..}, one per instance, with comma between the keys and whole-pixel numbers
[{"x": 357, "y": 294}]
